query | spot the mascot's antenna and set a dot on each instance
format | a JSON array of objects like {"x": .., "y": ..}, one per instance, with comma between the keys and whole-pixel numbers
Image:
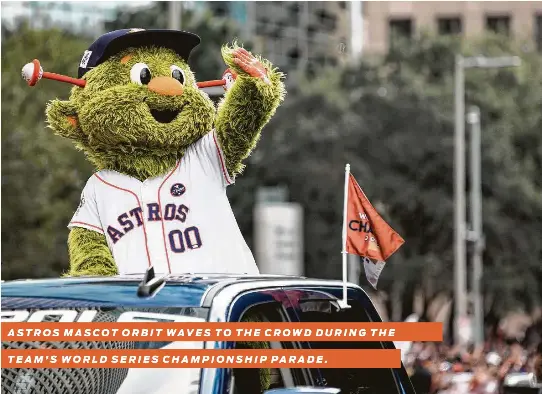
[{"x": 32, "y": 73}]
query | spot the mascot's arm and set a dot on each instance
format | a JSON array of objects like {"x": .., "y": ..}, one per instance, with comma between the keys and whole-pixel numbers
[
  {"x": 89, "y": 254},
  {"x": 247, "y": 106}
]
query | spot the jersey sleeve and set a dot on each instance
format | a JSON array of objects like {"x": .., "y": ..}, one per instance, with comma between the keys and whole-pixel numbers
[
  {"x": 86, "y": 215},
  {"x": 212, "y": 158}
]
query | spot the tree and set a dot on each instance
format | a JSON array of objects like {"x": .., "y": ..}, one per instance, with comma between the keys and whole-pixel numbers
[
  {"x": 393, "y": 121},
  {"x": 510, "y": 102},
  {"x": 42, "y": 174}
]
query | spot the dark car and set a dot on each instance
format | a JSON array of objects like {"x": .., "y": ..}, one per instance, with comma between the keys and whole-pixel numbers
[{"x": 212, "y": 298}]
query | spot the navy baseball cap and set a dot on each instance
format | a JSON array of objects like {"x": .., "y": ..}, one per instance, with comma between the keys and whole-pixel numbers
[{"x": 111, "y": 43}]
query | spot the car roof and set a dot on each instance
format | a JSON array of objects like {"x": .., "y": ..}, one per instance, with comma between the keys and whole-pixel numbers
[{"x": 190, "y": 290}]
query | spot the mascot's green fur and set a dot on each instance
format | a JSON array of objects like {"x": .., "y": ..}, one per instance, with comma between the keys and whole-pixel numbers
[
  {"x": 264, "y": 373},
  {"x": 110, "y": 120}
]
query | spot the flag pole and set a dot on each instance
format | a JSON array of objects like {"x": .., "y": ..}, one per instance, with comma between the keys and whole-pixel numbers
[{"x": 344, "y": 302}]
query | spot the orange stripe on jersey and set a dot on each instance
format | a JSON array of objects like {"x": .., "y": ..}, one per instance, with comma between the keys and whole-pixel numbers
[
  {"x": 90, "y": 225},
  {"x": 162, "y": 219}
]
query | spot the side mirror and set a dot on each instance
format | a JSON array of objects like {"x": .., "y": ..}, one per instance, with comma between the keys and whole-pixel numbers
[{"x": 304, "y": 390}]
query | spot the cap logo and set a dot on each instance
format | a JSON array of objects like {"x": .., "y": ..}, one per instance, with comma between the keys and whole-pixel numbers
[{"x": 85, "y": 59}]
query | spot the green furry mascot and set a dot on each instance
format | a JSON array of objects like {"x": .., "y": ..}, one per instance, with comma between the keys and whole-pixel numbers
[
  {"x": 163, "y": 152},
  {"x": 253, "y": 380}
]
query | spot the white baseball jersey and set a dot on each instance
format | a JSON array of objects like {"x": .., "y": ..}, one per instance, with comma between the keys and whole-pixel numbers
[{"x": 181, "y": 222}]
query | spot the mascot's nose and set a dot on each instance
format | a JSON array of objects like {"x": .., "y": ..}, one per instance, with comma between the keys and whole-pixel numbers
[{"x": 166, "y": 86}]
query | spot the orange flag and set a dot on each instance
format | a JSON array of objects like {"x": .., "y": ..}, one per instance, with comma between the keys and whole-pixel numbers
[{"x": 367, "y": 234}]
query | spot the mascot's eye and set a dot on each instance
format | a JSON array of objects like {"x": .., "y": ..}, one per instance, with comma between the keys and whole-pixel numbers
[
  {"x": 140, "y": 74},
  {"x": 177, "y": 74}
]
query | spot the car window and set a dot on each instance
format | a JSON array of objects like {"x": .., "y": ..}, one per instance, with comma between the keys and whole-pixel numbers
[
  {"x": 349, "y": 380},
  {"x": 258, "y": 380}
]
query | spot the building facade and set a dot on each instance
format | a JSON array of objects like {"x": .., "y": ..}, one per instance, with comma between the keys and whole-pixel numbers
[
  {"x": 294, "y": 35},
  {"x": 237, "y": 11},
  {"x": 302, "y": 35},
  {"x": 306, "y": 35},
  {"x": 386, "y": 20}
]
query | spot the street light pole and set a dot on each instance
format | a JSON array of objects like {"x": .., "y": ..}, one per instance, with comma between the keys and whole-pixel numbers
[
  {"x": 354, "y": 268},
  {"x": 460, "y": 290},
  {"x": 174, "y": 22},
  {"x": 476, "y": 235}
]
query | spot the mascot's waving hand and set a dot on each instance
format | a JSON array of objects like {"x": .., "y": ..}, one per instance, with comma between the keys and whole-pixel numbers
[{"x": 164, "y": 154}]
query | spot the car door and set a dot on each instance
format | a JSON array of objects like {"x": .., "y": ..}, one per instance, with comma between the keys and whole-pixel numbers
[
  {"x": 319, "y": 304},
  {"x": 266, "y": 305}
]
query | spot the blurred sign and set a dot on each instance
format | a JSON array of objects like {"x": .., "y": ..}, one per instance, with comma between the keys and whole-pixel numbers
[
  {"x": 272, "y": 194},
  {"x": 278, "y": 230}
]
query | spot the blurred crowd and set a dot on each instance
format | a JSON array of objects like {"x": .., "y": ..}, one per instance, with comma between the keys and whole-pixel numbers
[{"x": 436, "y": 368}]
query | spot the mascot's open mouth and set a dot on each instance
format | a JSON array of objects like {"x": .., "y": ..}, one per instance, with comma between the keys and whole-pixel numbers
[{"x": 165, "y": 116}]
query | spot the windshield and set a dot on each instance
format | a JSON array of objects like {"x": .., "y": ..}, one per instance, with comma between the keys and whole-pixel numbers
[{"x": 95, "y": 380}]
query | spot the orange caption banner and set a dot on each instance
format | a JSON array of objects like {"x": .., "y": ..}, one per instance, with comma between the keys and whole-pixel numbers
[
  {"x": 139, "y": 331},
  {"x": 202, "y": 358}
]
